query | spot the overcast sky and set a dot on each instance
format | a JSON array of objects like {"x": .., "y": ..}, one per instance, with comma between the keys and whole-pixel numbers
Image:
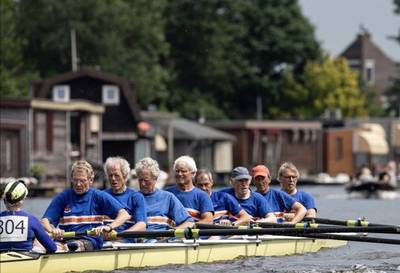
[{"x": 337, "y": 23}]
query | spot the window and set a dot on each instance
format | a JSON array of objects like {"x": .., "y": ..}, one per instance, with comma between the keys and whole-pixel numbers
[
  {"x": 339, "y": 148},
  {"x": 61, "y": 93},
  {"x": 354, "y": 64},
  {"x": 110, "y": 95},
  {"x": 369, "y": 71}
]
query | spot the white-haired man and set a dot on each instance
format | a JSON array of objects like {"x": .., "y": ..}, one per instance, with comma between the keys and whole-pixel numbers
[
  {"x": 164, "y": 210},
  {"x": 117, "y": 170},
  {"x": 197, "y": 202}
]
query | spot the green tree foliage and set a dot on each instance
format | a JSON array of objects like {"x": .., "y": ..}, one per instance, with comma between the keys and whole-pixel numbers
[
  {"x": 326, "y": 85},
  {"x": 122, "y": 37},
  {"x": 211, "y": 58},
  {"x": 233, "y": 51},
  {"x": 14, "y": 74}
]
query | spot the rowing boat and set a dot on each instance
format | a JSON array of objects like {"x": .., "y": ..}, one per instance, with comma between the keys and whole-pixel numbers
[{"x": 157, "y": 254}]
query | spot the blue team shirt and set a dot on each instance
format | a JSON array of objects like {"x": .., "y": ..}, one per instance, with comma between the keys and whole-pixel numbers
[
  {"x": 279, "y": 201},
  {"x": 256, "y": 205},
  {"x": 164, "y": 210},
  {"x": 18, "y": 229},
  {"x": 133, "y": 201},
  {"x": 196, "y": 201},
  {"x": 73, "y": 212},
  {"x": 225, "y": 205},
  {"x": 305, "y": 199}
]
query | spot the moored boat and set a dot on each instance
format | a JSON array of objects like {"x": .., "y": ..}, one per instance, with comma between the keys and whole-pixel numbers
[
  {"x": 158, "y": 254},
  {"x": 372, "y": 189}
]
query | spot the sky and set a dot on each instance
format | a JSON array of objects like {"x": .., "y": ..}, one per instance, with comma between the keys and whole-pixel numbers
[{"x": 337, "y": 22}]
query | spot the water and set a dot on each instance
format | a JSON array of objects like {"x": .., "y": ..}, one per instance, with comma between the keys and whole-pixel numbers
[{"x": 332, "y": 202}]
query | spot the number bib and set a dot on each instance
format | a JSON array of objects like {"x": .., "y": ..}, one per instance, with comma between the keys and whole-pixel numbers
[{"x": 13, "y": 228}]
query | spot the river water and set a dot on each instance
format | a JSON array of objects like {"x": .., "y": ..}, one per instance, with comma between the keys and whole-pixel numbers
[{"x": 332, "y": 202}]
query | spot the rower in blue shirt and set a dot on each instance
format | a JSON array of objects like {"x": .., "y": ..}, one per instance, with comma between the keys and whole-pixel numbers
[
  {"x": 226, "y": 206},
  {"x": 82, "y": 208},
  {"x": 117, "y": 170},
  {"x": 280, "y": 202},
  {"x": 164, "y": 210},
  {"x": 287, "y": 177},
  {"x": 196, "y": 202},
  {"x": 19, "y": 229},
  {"x": 252, "y": 202}
]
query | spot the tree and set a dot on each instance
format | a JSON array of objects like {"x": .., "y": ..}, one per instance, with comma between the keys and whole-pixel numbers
[
  {"x": 234, "y": 51},
  {"x": 121, "y": 36},
  {"x": 329, "y": 84},
  {"x": 14, "y": 74}
]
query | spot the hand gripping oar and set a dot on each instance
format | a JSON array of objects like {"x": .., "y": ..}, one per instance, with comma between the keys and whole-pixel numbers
[{"x": 348, "y": 223}]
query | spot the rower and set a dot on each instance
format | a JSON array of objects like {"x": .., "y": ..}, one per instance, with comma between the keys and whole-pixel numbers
[
  {"x": 279, "y": 201},
  {"x": 82, "y": 208},
  {"x": 252, "y": 202},
  {"x": 196, "y": 202},
  {"x": 225, "y": 205},
  {"x": 164, "y": 210},
  {"x": 287, "y": 177},
  {"x": 117, "y": 170},
  {"x": 19, "y": 229}
]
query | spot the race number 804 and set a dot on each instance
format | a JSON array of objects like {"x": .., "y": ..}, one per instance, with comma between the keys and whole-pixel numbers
[{"x": 13, "y": 228}]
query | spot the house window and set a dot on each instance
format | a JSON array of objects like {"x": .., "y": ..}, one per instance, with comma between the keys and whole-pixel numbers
[
  {"x": 369, "y": 71},
  {"x": 354, "y": 64},
  {"x": 110, "y": 95},
  {"x": 339, "y": 148},
  {"x": 61, "y": 93}
]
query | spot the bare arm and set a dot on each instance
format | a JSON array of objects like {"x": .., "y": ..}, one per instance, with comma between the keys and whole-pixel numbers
[
  {"x": 206, "y": 218},
  {"x": 299, "y": 212},
  {"x": 269, "y": 218},
  {"x": 311, "y": 213},
  {"x": 185, "y": 225},
  {"x": 139, "y": 226},
  {"x": 243, "y": 218},
  {"x": 55, "y": 232},
  {"x": 121, "y": 218}
]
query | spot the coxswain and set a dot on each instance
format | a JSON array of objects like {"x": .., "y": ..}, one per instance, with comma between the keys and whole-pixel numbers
[{"x": 19, "y": 229}]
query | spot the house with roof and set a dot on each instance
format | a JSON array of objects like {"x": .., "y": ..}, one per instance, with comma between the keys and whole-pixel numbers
[
  {"x": 89, "y": 114},
  {"x": 175, "y": 136},
  {"x": 120, "y": 134},
  {"x": 375, "y": 68}
]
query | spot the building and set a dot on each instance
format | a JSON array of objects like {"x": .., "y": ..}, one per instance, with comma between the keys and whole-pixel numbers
[
  {"x": 375, "y": 68},
  {"x": 120, "y": 134},
  {"x": 272, "y": 142},
  {"x": 175, "y": 136},
  {"x": 38, "y": 132}
]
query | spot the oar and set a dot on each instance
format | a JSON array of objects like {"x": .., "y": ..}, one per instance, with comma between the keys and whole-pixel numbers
[
  {"x": 196, "y": 233},
  {"x": 356, "y": 238},
  {"x": 348, "y": 223},
  {"x": 261, "y": 224},
  {"x": 189, "y": 233}
]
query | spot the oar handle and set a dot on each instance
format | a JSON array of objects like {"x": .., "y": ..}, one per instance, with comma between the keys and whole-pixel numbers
[{"x": 348, "y": 223}]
